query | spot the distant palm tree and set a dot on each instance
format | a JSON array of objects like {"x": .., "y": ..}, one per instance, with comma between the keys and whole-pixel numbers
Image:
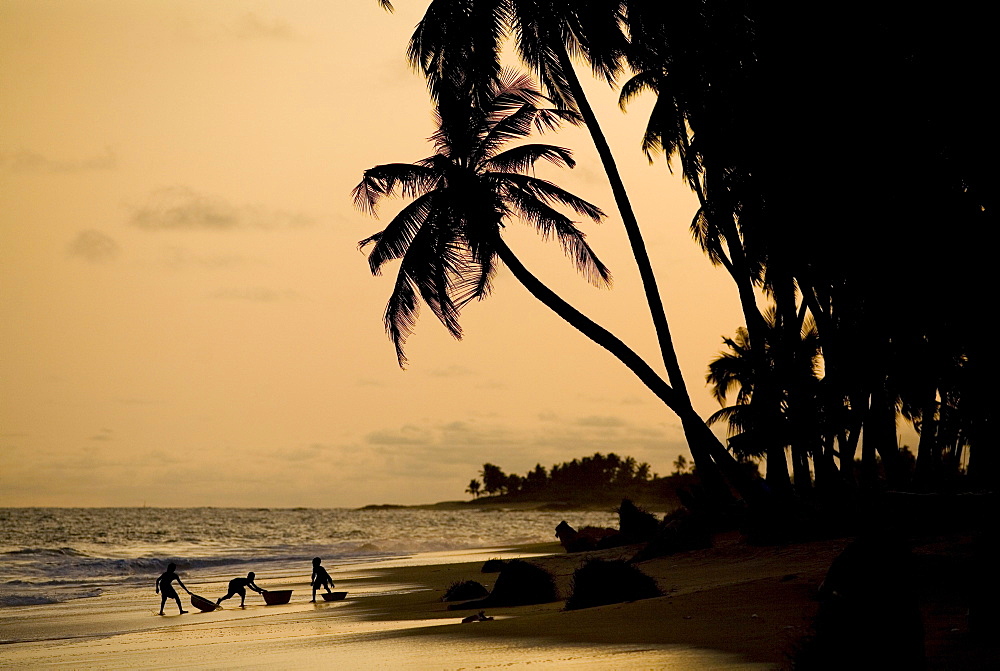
[{"x": 783, "y": 421}]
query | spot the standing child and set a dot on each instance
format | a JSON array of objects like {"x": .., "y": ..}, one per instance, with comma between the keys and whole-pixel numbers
[
  {"x": 166, "y": 590},
  {"x": 320, "y": 578}
]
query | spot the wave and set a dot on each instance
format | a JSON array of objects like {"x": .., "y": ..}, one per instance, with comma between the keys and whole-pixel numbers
[
  {"x": 50, "y": 552},
  {"x": 34, "y": 599}
]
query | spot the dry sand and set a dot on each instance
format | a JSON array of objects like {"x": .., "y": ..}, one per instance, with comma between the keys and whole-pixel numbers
[{"x": 730, "y": 607}]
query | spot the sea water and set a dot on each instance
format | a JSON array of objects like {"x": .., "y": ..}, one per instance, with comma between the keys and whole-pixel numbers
[{"x": 49, "y": 555}]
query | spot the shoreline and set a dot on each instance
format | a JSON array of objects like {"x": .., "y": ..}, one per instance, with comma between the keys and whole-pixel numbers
[
  {"x": 732, "y": 606},
  {"x": 520, "y": 506}
]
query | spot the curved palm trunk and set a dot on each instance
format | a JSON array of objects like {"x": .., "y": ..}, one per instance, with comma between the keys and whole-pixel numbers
[
  {"x": 701, "y": 441},
  {"x": 630, "y": 223},
  {"x": 710, "y": 456}
]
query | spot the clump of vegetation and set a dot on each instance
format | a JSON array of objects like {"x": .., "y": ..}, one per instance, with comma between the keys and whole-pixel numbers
[
  {"x": 600, "y": 582},
  {"x": 494, "y": 565},
  {"x": 464, "y": 590},
  {"x": 635, "y": 524},
  {"x": 519, "y": 584},
  {"x": 679, "y": 531},
  {"x": 595, "y": 478}
]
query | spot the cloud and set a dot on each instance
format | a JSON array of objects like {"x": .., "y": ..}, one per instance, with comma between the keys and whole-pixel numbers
[
  {"x": 24, "y": 160},
  {"x": 94, "y": 246},
  {"x": 307, "y": 453},
  {"x": 182, "y": 208},
  {"x": 406, "y": 435},
  {"x": 601, "y": 422}
]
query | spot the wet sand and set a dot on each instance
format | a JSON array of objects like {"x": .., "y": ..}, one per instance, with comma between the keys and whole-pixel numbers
[{"x": 730, "y": 607}]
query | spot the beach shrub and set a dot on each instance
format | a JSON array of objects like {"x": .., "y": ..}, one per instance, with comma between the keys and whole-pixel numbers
[
  {"x": 519, "y": 584},
  {"x": 679, "y": 531},
  {"x": 600, "y": 582},
  {"x": 463, "y": 590},
  {"x": 493, "y": 565},
  {"x": 636, "y": 524}
]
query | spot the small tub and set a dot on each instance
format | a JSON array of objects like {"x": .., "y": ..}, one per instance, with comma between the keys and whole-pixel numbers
[
  {"x": 277, "y": 597},
  {"x": 334, "y": 596}
]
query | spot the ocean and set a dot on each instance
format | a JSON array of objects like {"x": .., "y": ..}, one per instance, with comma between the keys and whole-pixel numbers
[{"x": 51, "y": 555}]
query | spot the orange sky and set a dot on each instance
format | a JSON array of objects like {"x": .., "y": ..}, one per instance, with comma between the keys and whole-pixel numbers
[{"x": 184, "y": 316}]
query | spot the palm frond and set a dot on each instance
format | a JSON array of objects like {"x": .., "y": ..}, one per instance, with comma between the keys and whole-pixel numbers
[
  {"x": 595, "y": 30},
  {"x": 524, "y": 157},
  {"x": 423, "y": 270},
  {"x": 393, "y": 241},
  {"x": 549, "y": 193},
  {"x": 637, "y": 84},
  {"x": 457, "y": 44},
  {"x": 736, "y": 416},
  {"x": 401, "y": 313},
  {"x": 550, "y": 222},
  {"x": 410, "y": 179},
  {"x": 539, "y": 39},
  {"x": 476, "y": 282}
]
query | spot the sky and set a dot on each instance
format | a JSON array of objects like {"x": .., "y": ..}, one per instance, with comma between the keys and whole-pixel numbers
[{"x": 186, "y": 320}]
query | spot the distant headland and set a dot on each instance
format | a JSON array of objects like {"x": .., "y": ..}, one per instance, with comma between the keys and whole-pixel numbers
[{"x": 597, "y": 482}]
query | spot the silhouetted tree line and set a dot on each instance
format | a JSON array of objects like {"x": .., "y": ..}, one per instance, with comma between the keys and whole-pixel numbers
[
  {"x": 844, "y": 158},
  {"x": 604, "y": 477}
]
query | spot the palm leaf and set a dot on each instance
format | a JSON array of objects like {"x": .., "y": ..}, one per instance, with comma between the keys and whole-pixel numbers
[
  {"x": 525, "y": 156},
  {"x": 549, "y": 193},
  {"x": 550, "y": 222},
  {"x": 393, "y": 241},
  {"x": 410, "y": 179}
]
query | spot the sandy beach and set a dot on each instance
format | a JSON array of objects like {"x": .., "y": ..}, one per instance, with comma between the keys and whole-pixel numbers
[{"x": 733, "y": 606}]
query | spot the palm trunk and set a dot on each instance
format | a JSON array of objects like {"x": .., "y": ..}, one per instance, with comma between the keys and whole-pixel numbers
[
  {"x": 927, "y": 464},
  {"x": 738, "y": 267},
  {"x": 710, "y": 456},
  {"x": 638, "y": 245},
  {"x": 708, "y": 453}
]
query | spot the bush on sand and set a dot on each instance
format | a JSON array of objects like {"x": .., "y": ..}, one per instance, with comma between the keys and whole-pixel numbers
[
  {"x": 600, "y": 582},
  {"x": 518, "y": 584}
]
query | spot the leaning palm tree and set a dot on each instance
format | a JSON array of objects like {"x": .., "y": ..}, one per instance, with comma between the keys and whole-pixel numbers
[
  {"x": 468, "y": 36},
  {"x": 448, "y": 239}
]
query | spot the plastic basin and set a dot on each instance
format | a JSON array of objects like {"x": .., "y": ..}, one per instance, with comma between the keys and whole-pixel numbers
[{"x": 277, "y": 597}]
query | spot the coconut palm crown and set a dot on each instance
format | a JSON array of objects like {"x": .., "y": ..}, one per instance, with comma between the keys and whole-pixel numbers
[{"x": 479, "y": 178}]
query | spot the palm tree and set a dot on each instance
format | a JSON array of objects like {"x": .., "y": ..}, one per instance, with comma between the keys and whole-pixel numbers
[
  {"x": 448, "y": 238},
  {"x": 466, "y": 37},
  {"x": 461, "y": 40},
  {"x": 770, "y": 430}
]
